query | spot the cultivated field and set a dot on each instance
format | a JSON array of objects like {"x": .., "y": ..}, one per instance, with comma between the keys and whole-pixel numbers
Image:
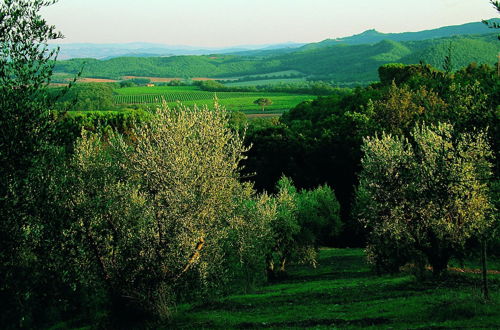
[{"x": 191, "y": 95}]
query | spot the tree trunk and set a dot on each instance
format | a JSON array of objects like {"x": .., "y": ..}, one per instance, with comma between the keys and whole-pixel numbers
[
  {"x": 484, "y": 270},
  {"x": 282, "y": 267},
  {"x": 439, "y": 262}
]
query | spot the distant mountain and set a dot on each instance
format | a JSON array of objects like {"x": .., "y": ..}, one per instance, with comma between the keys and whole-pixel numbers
[
  {"x": 141, "y": 49},
  {"x": 342, "y": 63},
  {"x": 373, "y": 36},
  {"x": 358, "y": 63}
]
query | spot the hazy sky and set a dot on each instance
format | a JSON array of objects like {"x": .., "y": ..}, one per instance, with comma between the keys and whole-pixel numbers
[{"x": 216, "y": 23}]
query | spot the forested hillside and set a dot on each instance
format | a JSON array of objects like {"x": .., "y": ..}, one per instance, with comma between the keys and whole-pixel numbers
[
  {"x": 374, "y": 36},
  {"x": 340, "y": 62}
]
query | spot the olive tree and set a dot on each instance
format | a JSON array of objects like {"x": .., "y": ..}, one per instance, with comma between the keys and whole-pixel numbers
[
  {"x": 422, "y": 199},
  {"x": 152, "y": 211}
]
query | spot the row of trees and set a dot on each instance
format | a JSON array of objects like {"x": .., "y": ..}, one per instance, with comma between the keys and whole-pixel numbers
[
  {"x": 136, "y": 213},
  {"x": 308, "y": 87}
]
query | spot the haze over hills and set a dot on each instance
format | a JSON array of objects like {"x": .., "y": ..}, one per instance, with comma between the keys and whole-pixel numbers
[
  {"x": 344, "y": 61},
  {"x": 340, "y": 63},
  {"x": 143, "y": 49}
]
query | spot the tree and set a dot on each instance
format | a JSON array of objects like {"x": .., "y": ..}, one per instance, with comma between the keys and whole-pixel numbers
[
  {"x": 263, "y": 102},
  {"x": 303, "y": 220},
  {"x": 150, "y": 215},
  {"x": 421, "y": 200},
  {"x": 494, "y": 25},
  {"x": 25, "y": 70},
  {"x": 26, "y": 65},
  {"x": 87, "y": 97}
]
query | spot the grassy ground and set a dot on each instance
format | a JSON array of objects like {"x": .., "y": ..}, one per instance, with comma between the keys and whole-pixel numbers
[
  {"x": 343, "y": 293},
  {"x": 191, "y": 95},
  {"x": 245, "y": 104}
]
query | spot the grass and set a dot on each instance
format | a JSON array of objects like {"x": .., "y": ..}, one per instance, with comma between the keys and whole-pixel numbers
[
  {"x": 342, "y": 292},
  {"x": 191, "y": 95},
  {"x": 245, "y": 104}
]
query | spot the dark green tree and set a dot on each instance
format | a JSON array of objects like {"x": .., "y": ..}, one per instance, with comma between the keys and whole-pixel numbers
[
  {"x": 263, "y": 102},
  {"x": 494, "y": 25},
  {"x": 26, "y": 65}
]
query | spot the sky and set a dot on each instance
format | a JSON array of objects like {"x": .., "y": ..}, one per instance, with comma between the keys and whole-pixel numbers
[{"x": 223, "y": 23}]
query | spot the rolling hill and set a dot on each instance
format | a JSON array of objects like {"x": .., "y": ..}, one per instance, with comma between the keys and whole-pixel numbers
[
  {"x": 341, "y": 62},
  {"x": 373, "y": 36}
]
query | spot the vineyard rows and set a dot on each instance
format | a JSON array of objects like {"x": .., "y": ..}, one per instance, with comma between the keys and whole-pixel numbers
[{"x": 174, "y": 97}]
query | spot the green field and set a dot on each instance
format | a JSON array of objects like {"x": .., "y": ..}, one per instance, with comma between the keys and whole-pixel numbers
[
  {"x": 342, "y": 292},
  {"x": 191, "y": 95},
  {"x": 156, "y": 90},
  {"x": 266, "y": 82}
]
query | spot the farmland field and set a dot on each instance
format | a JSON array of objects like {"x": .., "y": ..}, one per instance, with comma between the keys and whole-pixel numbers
[{"x": 191, "y": 95}]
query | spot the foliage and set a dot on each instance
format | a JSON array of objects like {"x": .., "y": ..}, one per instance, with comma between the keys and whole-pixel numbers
[
  {"x": 150, "y": 216},
  {"x": 68, "y": 125},
  {"x": 28, "y": 278},
  {"x": 250, "y": 239},
  {"x": 284, "y": 227},
  {"x": 494, "y": 25},
  {"x": 422, "y": 200},
  {"x": 318, "y": 214},
  {"x": 401, "y": 108},
  {"x": 86, "y": 97},
  {"x": 319, "y": 141},
  {"x": 304, "y": 220},
  {"x": 263, "y": 102},
  {"x": 135, "y": 82},
  {"x": 315, "y": 87}
]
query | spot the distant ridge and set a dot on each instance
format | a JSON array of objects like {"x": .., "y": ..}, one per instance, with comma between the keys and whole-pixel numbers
[
  {"x": 142, "y": 49},
  {"x": 373, "y": 36},
  {"x": 345, "y": 60}
]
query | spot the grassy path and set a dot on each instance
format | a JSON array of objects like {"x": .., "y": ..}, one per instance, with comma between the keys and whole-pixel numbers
[{"x": 343, "y": 293}]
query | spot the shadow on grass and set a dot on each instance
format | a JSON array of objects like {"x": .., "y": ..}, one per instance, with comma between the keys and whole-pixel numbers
[
  {"x": 326, "y": 296},
  {"x": 343, "y": 293},
  {"x": 364, "y": 322}
]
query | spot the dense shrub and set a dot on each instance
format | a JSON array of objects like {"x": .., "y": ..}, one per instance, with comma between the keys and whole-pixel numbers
[
  {"x": 305, "y": 220},
  {"x": 150, "y": 213},
  {"x": 423, "y": 199},
  {"x": 86, "y": 97}
]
